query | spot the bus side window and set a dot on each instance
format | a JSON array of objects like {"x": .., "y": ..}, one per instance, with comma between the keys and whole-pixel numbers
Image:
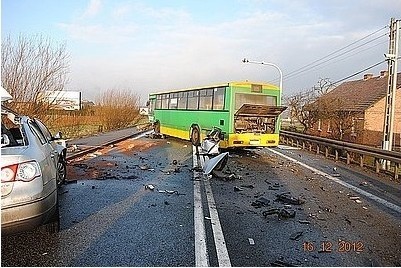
[
  {"x": 173, "y": 101},
  {"x": 158, "y": 101},
  {"x": 182, "y": 100},
  {"x": 205, "y": 99},
  {"x": 193, "y": 97},
  {"x": 218, "y": 98},
  {"x": 165, "y": 101}
]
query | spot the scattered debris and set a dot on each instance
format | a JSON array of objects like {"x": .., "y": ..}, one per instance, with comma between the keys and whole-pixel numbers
[
  {"x": 304, "y": 222},
  {"x": 169, "y": 192},
  {"x": 248, "y": 186},
  {"x": 175, "y": 162},
  {"x": 261, "y": 202},
  {"x": 155, "y": 136},
  {"x": 238, "y": 189},
  {"x": 281, "y": 263},
  {"x": 281, "y": 212},
  {"x": 364, "y": 183},
  {"x": 81, "y": 165},
  {"x": 287, "y": 198},
  {"x": 144, "y": 167},
  {"x": 251, "y": 241},
  {"x": 149, "y": 187},
  {"x": 296, "y": 236},
  {"x": 354, "y": 197}
]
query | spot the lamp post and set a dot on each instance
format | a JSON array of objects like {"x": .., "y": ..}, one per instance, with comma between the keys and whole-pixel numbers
[{"x": 245, "y": 60}]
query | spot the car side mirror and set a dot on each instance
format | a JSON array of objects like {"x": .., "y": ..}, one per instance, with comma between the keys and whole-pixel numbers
[{"x": 58, "y": 136}]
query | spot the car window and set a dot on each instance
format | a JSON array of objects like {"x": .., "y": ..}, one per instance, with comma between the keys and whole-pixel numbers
[
  {"x": 37, "y": 132},
  {"x": 44, "y": 130}
]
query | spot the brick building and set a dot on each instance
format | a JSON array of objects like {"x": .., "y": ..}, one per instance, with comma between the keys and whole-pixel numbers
[{"x": 363, "y": 101}]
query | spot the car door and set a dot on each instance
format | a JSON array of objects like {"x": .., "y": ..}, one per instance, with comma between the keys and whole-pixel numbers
[{"x": 49, "y": 165}]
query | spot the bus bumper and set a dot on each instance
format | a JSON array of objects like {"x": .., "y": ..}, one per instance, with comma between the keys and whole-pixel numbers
[{"x": 250, "y": 140}]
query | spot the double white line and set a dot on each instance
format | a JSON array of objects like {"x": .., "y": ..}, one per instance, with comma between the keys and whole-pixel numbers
[{"x": 201, "y": 252}]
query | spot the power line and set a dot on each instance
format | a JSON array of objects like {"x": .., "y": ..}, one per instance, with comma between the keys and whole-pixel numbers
[
  {"x": 305, "y": 67},
  {"x": 310, "y": 66},
  {"x": 359, "y": 72}
]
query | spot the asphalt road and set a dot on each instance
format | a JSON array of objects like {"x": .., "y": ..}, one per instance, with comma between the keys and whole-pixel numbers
[{"x": 109, "y": 217}]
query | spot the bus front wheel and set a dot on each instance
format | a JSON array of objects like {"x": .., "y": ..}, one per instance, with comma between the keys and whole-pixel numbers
[
  {"x": 156, "y": 126},
  {"x": 195, "y": 135}
]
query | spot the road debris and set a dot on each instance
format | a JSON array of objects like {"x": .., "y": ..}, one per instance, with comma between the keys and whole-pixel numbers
[
  {"x": 144, "y": 167},
  {"x": 296, "y": 236},
  {"x": 261, "y": 202},
  {"x": 304, "y": 222},
  {"x": 149, "y": 187},
  {"x": 170, "y": 192},
  {"x": 251, "y": 241},
  {"x": 238, "y": 189},
  {"x": 287, "y": 198},
  {"x": 281, "y": 212},
  {"x": 281, "y": 263}
]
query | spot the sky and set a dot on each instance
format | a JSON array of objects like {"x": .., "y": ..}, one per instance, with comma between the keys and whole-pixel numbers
[{"x": 155, "y": 45}]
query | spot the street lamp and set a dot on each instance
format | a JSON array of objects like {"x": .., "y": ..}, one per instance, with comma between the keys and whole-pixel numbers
[{"x": 245, "y": 60}]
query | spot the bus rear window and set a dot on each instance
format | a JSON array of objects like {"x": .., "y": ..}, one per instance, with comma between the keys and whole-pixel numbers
[{"x": 241, "y": 98}]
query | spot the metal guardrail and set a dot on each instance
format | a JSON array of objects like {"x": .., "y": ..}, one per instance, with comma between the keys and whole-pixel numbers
[
  {"x": 71, "y": 156},
  {"x": 393, "y": 159}
]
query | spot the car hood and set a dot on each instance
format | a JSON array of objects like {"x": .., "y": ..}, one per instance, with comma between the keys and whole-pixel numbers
[{"x": 13, "y": 155}]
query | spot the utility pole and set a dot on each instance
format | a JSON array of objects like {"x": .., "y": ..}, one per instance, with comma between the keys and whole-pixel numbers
[{"x": 392, "y": 58}]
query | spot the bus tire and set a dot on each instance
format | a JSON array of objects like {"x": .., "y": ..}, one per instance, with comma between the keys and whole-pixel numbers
[
  {"x": 156, "y": 126},
  {"x": 195, "y": 135}
]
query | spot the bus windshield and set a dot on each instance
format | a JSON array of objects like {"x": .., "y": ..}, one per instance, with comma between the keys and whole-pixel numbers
[{"x": 246, "y": 98}]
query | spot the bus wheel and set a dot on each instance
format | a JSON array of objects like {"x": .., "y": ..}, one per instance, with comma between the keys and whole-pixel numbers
[
  {"x": 156, "y": 126},
  {"x": 195, "y": 135}
]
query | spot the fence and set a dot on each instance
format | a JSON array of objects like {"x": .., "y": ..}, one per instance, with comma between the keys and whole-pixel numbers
[{"x": 380, "y": 160}]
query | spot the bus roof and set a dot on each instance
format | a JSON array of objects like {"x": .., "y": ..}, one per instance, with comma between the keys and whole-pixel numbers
[{"x": 235, "y": 83}]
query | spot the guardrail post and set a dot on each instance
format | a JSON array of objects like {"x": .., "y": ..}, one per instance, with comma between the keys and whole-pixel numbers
[
  {"x": 303, "y": 145},
  {"x": 310, "y": 147},
  {"x": 317, "y": 149},
  {"x": 361, "y": 160},
  {"x": 348, "y": 158},
  {"x": 297, "y": 143},
  {"x": 336, "y": 153},
  {"x": 377, "y": 164},
  {"x": 396, "y": 169},
  {"x": 326, "y": 153}
]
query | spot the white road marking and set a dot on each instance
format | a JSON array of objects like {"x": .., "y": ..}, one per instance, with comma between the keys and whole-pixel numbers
[
  {"x": 201, "y": 254},
  {"x": 200, "y": 234},
  {"x": 352, "y": 187},
  {"x": 220, "y": 243}
]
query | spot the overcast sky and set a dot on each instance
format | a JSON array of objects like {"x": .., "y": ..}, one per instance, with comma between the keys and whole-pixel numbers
[{"x": 156, "y": 45}]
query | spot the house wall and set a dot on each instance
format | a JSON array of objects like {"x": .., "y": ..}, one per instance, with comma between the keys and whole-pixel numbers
[{"x": 374, "y": 120}]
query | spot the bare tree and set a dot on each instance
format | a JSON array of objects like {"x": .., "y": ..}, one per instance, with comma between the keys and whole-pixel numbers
[
  {"x": 29, "y": 67},
  {"x": 299, "y": 105},
  {"x": 323, "y": 86},
  {"x": 118, "y": 108},
  {"x": 304, "y": 106}
]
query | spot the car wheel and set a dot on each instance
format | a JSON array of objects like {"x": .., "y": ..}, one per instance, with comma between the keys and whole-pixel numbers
[
  {"x": 156, "y": 126},
  {"x": 195, "y": 135},
  {"x": 61, "y": 172}
]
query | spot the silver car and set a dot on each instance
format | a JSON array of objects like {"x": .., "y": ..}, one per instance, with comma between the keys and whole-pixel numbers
[{"x": 33, "y": 166}]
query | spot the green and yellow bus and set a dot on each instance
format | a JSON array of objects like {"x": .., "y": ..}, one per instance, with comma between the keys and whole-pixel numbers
[{"x": 246, "y": 113}]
